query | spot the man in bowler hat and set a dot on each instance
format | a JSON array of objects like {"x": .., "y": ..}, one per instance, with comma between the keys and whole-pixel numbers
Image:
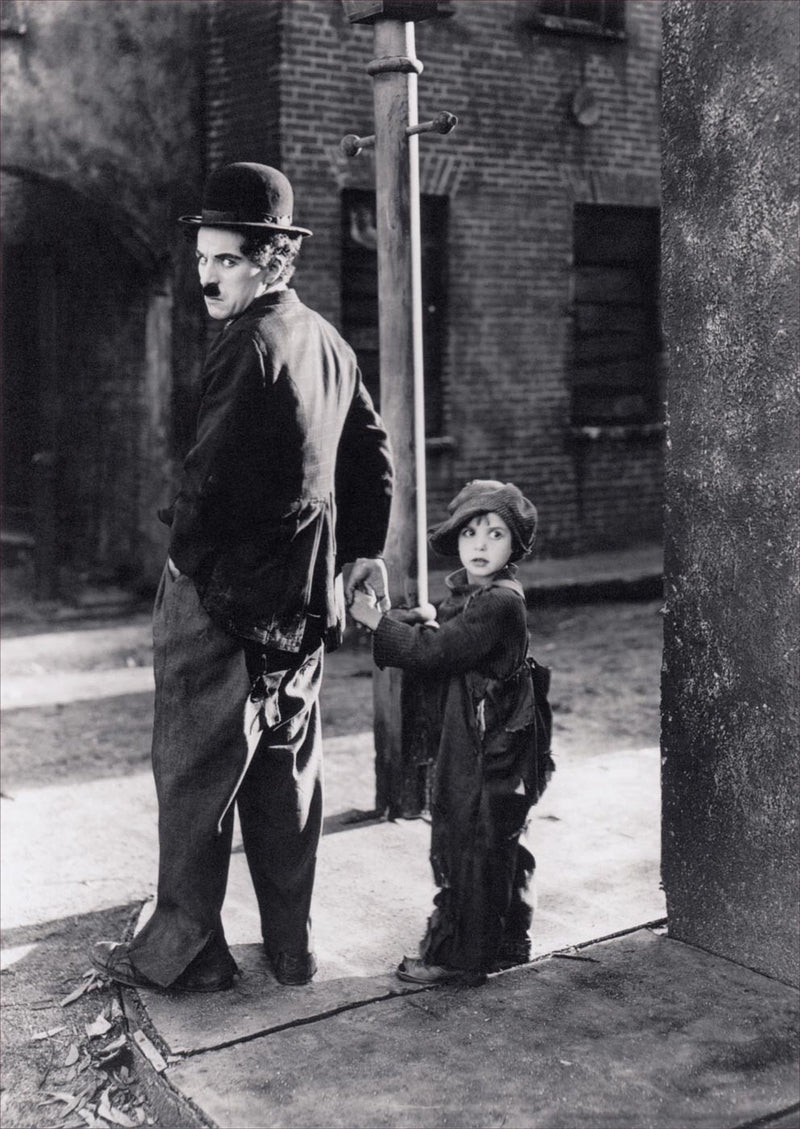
[{"x": 289, "y": 477}]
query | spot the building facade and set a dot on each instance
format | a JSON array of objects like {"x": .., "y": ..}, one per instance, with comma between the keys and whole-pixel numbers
[
  {"x": 540, "y": 236},
  {"x": 540, "y": 233}
]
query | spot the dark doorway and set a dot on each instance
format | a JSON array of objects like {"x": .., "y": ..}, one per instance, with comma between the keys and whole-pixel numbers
[
  {"x": 20, "y": 402},
  {"x": 75, "y": 405},
  {"x": 29, "y": 406}
]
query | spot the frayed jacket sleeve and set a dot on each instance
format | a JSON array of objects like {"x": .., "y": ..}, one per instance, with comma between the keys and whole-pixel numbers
[{"x": 461, "y": 644}]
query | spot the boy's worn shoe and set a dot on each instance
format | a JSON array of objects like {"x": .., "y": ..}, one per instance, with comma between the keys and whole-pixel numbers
[
  {"x": 293, "y": 970},
  {"x": 413, "y": 970},
  {"x": 113, "y": 962},
  {"x": 511, "y": 954}
]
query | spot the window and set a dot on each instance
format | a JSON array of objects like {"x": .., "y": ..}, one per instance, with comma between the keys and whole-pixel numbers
[
  {"x": 360, "y": 292},
  {"x": 617, "y": 345},
  {"x": 599, "y": 18}
]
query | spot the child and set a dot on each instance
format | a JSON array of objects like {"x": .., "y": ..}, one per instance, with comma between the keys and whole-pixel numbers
[{"x": 488, "y": 770}]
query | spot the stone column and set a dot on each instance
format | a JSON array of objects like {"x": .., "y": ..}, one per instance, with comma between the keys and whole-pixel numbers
[{"x": 731, "y": 685}]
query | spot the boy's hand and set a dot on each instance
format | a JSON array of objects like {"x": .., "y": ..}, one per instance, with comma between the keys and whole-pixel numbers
[
  {"x": 423, "y": 613},
  {"x": 363, "y": 609}
]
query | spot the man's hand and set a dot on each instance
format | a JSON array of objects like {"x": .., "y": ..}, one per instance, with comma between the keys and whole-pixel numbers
[
  {"x": 364, "y": 610},
  {"x": 368, "y": 574}
]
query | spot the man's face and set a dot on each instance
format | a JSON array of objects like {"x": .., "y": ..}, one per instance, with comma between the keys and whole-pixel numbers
[{"x": 230, "y": 282}]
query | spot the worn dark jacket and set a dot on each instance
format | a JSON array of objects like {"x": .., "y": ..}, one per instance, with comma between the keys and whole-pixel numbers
[
  {"x": 477, "y": 654},
  {"x": 289, "y": 477}
]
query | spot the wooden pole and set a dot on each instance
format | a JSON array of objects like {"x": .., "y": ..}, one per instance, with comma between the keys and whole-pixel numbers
[
  {"x": 400, "y": 302},
  {"x": 399, "y": 754},
  {"x": 403, "y": 735}
]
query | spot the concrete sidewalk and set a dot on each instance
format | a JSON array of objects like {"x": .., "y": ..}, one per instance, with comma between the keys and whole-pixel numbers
[
  {"x": 638, "y": 1032},
  {"x": 633, "y": 1032},
  {"x": 635, "y": 1036}
]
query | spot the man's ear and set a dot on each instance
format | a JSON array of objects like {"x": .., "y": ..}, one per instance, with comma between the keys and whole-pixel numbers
[{"x": 276, "y": 265}]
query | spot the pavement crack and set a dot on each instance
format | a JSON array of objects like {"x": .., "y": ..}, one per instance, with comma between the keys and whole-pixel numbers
[
  {"x": 771, "y": 1118},
  {"x": 305, "y": 1021}
]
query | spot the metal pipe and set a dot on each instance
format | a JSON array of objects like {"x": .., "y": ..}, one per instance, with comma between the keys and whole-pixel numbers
[{"x": 418, "y": 362}]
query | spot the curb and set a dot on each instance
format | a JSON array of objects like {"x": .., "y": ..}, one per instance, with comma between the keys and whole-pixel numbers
[{"x": 648, "y": 587}]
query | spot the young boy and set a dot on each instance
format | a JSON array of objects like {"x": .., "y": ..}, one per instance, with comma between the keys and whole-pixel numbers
[{"x": 488, "y": 769}]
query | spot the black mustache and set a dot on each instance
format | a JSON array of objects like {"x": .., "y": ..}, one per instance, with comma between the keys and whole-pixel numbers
[{"x": 211, "y": 290}]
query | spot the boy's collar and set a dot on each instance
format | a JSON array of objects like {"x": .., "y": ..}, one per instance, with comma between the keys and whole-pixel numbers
[{"x": 457, "y": 581}]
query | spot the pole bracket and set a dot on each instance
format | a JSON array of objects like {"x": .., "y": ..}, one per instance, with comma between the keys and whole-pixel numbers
[
  {"x": 394, "y": 64},
  {"x": 351, "y": 145},
  {"x": 444, "y": 122}
]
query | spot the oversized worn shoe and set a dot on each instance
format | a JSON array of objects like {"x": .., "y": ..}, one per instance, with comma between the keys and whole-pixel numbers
[
  {"x": 413, "y": 970},
  {"x": 291, "y": 969},
  {"x": 112, "y": 960}
]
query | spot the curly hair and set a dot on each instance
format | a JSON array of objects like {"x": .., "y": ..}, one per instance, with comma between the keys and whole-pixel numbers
[{"x": 261, "y": 246}]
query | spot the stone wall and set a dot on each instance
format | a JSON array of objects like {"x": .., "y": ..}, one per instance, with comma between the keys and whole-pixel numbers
[
  {"x": 731, "y": 685},
  {"x": 101, "y": 150}
]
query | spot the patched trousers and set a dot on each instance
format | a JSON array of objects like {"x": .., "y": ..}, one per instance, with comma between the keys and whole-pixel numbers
[{"x": 203, "y": 767}]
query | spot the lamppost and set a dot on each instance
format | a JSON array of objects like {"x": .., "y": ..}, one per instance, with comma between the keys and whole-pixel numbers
[{"x": 400, "y": 745}]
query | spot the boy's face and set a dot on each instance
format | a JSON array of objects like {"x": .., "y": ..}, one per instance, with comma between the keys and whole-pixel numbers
[{"x": 484, "y": 546}]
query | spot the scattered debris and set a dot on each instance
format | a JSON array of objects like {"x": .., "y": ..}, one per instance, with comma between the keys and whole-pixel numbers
[
  {"x": 112, "y": 1051},
  {"x": 40, "y": 1035},
  {"x": 150, "y": 1052},
  {"x": 71, "y": 1102},
  {"x": 91, "y": 1120},
  {"x": 115, "y": 1116},
  {"x": 98, "y": 1027},
  {"x": 89, "y": 983},
  {"x": 73, "y": 1054}
]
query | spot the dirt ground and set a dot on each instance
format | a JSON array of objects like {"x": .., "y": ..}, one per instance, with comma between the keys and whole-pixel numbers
[{"x": 605, "y": 660}]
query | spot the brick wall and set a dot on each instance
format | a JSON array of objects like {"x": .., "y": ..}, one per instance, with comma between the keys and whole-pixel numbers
[
  {"x": 512, "y": 170},
  {"x": 242, "y": 93}
]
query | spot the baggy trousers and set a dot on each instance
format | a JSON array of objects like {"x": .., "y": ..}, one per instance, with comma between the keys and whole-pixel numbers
[
  {"x": 199, "y": 754},
  {"x": 485, "y": 874}
]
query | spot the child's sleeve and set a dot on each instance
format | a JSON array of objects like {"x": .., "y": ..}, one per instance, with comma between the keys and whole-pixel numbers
[{"x": 459, "y": 645}]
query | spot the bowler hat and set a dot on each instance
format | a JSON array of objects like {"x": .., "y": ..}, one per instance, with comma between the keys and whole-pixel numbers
[
  {"x": 247, "y": 195},
  {"x": 485, "y": 496}
]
